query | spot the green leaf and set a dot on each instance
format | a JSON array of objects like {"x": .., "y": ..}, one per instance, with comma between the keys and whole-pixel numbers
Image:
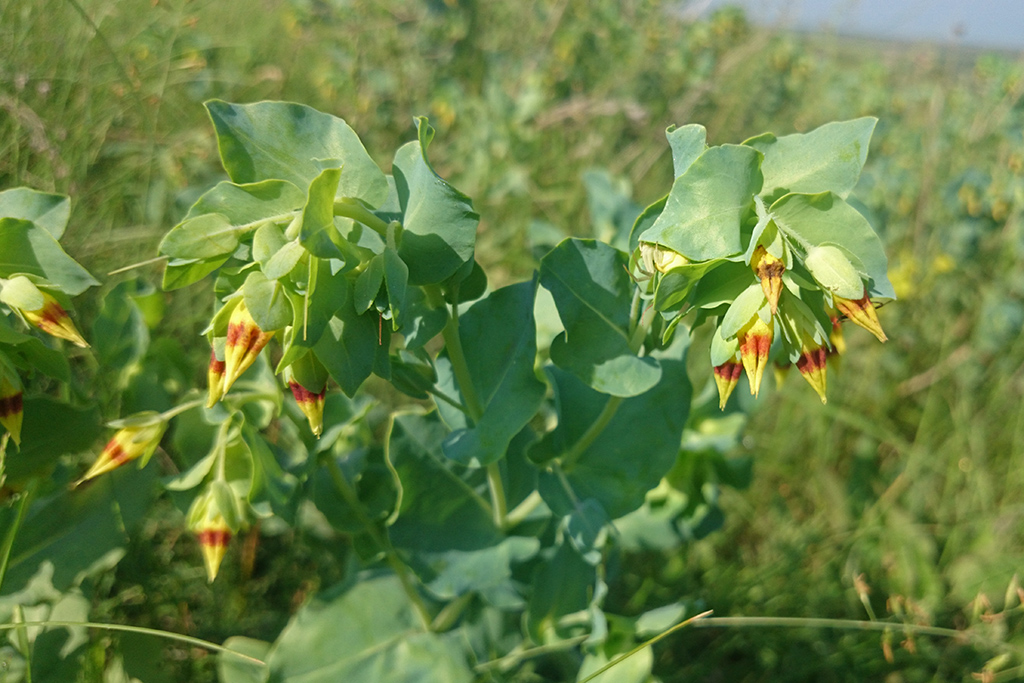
[
  {"x": 396, "y": 277},
  {"x": 232, "y": 669},
  {"x": 366, "y": 633},
  {"x": 368, "y": 284},
  {"x": 833, "y": 271},
  {"x": 707, "y": 204},
  {"x": 81, "y": 531},
  {"x": 635, "y": 669},
  {"x": 722, "y": 284},
  {"x": 828, "y": 158},
  {"x": 348, "y": 347},
  {"x": 330, "y": 293},
  {"x": 183, "y": 272},
  {"x": 48, "y": 211},
  {"x": 675, "y": 285},
  {"x": 27, "y": 248},
  {"x": 284, "y": 261},
  {"x": 749, "y": 303},
  {"x": 499, "y": 340},
  {"x": 814, "y": 219},
  {"x": 439, "y": 221},
  {"x": 119, "y": 336},
  {"x": 202, "y": 237},
  {"x": 318, "y": 232},
  {"x": 645, "y": 220},
  {"x": 267, "y": 302},
  {"x": 563, "y": 584},
  {"x": 687, "y": 144},
  {"x": 620, "y": 483},
  {"x": 20, "y": 292},
  {"x": 593, "y": 293},
  {"x": 284, "y": 140},
  {"x": 51, "y": 429},
  {"x": 246, "y": 205}
]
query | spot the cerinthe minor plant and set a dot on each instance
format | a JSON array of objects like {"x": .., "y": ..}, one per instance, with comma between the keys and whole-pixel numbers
[{"x": 485, "y": 512}]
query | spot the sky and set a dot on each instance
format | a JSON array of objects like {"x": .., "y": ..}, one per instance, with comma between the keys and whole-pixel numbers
[{"x": 976, "y": 23}]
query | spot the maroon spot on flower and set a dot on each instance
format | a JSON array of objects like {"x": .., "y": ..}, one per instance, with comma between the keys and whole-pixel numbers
[
  {"x": 729, "y": 371},
  {"x": 10, "y": 405},
  {"x": 116, "y": 453},
  {"x": 813, "y": 360},
  {"x": 235, "y": 332},
  {"x": 301, "y": 393},
  {"x": 214, "y": 538}
]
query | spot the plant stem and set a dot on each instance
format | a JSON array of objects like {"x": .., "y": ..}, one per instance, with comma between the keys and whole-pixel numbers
[
  {"x": 397, "y": 566},
  {"x": 474, "y": 408},
  {"x": 845, "y": 624},
  {"x": 647, "y": 643},
  {"x": 12, "y": 532},
  {"x": 178, "y": 410},
  {"x": 169, "y": 635},
  {"x": 350, "y": 208},
  {"x": 523, "y": 510},
  {"x": 572, "y": 455},
  {"x": 515, "y": 657}
]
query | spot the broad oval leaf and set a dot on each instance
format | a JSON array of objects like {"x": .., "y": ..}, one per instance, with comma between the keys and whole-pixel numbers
[
  {"x": 828, "y": 158},
  {"x": 248, "y": 204},
  {"x": 203, "y": 237},
  {"x": 830, "y": 267},
  {"x": 267, "y": 301},
  {"x": 284, "y": 140},
  {"x": 687, "y": 144},
  {"x": 48, "y": 211},
  {"x": 707, "y": 204},
  {"x": 27, "y": 248}
]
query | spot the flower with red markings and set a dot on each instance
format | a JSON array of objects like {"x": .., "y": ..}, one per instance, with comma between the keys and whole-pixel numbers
[
  {"x": 244, "y": 343},
  {"x": 137, "y": 440},
  {"x": 811, "y": 364},
  {"x": 55, "y": 321},
  {"x": 11, "y": 411},
  {"x": 727, "y": 375},
  {"x": 311, "y": 405},
  {"x": 755, "y": 341},
  {"x": 214, "y": 379},
  {"x": 861, "y": 313},
  {"x": 213, "y": 535}
]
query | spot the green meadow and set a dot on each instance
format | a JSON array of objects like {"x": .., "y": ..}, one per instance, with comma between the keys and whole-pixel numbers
[{"x": 877, "y": 537}]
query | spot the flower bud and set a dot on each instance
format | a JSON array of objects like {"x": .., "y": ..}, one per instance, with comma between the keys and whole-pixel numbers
[
  {"x": 655, "y": 257},
  {"x": 213, "y": 535},
  {"x": 311, "y": 405},
  {"x": 214, "y": 380},
  {"x": 861, "y": 313},
  {"x": 769, "y": 271},
  {"x": 11, "y": 412},
  {"x": 55, "y": 321},
  {"x": 727, "y": 375},
  {"x": 129, "y": 443},
  {"x": 244, "y": 343},
  {"x": 835, "y": 337},
  {"x": 755, "y": 341}
]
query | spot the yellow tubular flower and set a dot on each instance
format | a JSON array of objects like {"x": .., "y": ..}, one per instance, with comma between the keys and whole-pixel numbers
[
  {"x": 727, "y": 375},
  {"x": 55, "y": 321},
  {"x": 311, "y": 405},
  {"x": 11, "y": 412},
  {"x": 755, "y": 341},
  {"x": 127, "y": 444},
  {"x": 861, "y": 313},
  {"x": 811, "y": 365},
  {"x": 214, "y": 380},
  {"x": 214, "y": 536},
  {"x": 244, "y": 343}
]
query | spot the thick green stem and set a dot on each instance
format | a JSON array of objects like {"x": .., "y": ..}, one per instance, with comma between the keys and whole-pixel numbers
[
  {"x": 349, "y": 208},
  {"x": 590, "y": 436},
  {"x": 390, "y": 556},
  {"x": 12, "y": 531},
  {"x": 474, "y": 408}
]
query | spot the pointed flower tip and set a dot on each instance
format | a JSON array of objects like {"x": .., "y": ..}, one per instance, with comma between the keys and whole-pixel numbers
[
  {"x": 126, "y": 445},
  {"x": 11, "y": 406},
  {"x": 727, "y": 375},
  {"x": 862, "y": 313},
  {"x": 214, "y": 536},
  {"x": 244, "y": 343},
  {"x": 811, "y": 365},
  {"x": 52, "y": 319},
  {"x": 311, "y": 405},
  {"x": 215, "y": 380},
  {"x": 755, "y": 341}
]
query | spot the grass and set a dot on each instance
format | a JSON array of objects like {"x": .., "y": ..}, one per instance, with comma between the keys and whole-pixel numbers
[{"x": 903, "y": 494}]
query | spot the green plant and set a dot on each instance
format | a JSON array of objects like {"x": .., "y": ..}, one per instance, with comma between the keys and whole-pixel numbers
[{"x": 481, "y": 508}]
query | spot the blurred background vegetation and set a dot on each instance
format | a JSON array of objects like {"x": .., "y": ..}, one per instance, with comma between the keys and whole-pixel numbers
[{"x": 903, "y": 497}]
